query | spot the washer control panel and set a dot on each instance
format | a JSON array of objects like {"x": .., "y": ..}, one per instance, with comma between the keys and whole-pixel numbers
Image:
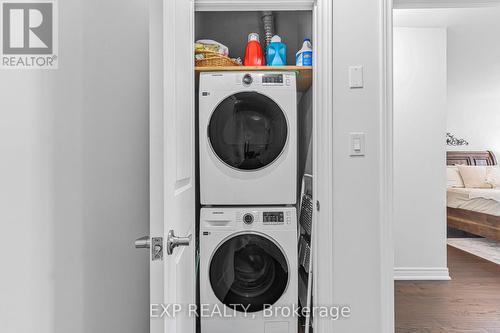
[
  {"x": 265, "y": 217},
  {"x": 276, "y": 217},
  {"x": 248, "y": 218},
  {"x": 273, "y": 217}
]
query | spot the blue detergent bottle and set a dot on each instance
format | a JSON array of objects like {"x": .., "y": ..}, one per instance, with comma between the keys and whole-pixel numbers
[
  {"x": 305, "y": 54},
  {"x": 276, "y": 52}
]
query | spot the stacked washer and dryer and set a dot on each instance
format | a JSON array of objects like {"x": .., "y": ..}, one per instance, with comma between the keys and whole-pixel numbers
[{"x": 248, "y": 189}]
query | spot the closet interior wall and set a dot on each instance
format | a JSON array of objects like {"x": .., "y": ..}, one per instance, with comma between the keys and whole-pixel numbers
[{"x": 232, "y": 29}]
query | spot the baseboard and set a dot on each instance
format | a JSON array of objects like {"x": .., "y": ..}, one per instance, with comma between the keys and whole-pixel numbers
[{"x": 421, "y": 273}]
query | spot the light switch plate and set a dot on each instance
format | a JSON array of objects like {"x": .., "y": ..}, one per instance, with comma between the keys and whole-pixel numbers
[
  {"x": 357, "y": 144},
  {"x": 356, "y": 77}
]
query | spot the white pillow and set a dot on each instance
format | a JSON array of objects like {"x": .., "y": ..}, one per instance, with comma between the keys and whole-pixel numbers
[
  {"x": 493, "y": 176},
  {"x": 474, "y": 176},
  {"x": 453, "y": 177}
]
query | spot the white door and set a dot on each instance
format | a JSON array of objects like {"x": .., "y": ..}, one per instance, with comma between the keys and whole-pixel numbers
[{"x": 172, "y": 164}]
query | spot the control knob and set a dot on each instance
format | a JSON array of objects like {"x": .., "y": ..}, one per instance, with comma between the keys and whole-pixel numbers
[
  {"x": 248, "y": 218},
  {"x": 247, "y": 79}
]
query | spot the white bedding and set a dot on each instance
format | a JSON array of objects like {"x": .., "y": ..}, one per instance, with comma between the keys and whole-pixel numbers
[{"x": 480, "y": 200}]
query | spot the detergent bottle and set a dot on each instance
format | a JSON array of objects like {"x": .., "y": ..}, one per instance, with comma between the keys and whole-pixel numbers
[
  {"x": 304, "y": 56},
  {"x": 253, "y": 54},
  {"x": 276, "y": 52}
]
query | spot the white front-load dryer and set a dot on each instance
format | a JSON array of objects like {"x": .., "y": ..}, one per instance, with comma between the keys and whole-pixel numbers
[
  {"x": 248, "y": 138},
  {"x": 248, "y": 263}
]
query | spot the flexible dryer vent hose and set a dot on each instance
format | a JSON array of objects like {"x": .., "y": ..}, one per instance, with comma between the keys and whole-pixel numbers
[{"x": 268, "y": 20}]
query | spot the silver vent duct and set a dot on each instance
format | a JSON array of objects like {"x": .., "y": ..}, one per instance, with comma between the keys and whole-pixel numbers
[{"x": 268, "y": 20}]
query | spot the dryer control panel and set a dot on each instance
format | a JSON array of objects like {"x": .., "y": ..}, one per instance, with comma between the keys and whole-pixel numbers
[{"x": 272, "y": 79}]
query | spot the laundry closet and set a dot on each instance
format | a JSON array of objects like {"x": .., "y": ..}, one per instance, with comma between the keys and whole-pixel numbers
[
  {"x": 236, "y": 179},
  {"x": 254, "y": 170}
]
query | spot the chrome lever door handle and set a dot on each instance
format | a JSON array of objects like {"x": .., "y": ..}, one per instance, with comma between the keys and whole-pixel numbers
[
  {"x": 174, "y": 241},
  {"x": 143, "y": 243}
]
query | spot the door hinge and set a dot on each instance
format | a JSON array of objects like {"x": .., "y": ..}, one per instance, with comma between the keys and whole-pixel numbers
[
  {"x": 156, "y": 248},
  {"x": 317, "y": 205}
]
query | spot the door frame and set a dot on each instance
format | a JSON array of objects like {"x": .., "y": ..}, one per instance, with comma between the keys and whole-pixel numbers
[
  {"x": 322, "y": 237},
  {"x": 387, "y": 198},
  {"x": 386, "y": 171}
]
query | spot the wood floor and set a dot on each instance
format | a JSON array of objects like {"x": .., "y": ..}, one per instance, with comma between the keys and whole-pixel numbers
[{"x": 470, "y": 302}]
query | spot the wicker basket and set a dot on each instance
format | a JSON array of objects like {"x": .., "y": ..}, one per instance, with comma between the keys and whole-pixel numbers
[{"x": 214, "y": 59}]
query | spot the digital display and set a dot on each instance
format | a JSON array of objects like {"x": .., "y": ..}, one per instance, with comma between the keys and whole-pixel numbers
[
  {"x": 273, "y": 217},
  {"x": 272, "y": 78}
]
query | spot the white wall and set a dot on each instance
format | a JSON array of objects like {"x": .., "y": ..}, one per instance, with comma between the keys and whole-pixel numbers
[
  {"x": 74, "y": 189},
  {"x": 75, "y": 186},
  {"x": 419, "y": 153},
  {"x": 358, "y": 275},
  {"x": 115, "y": 136},
  {"x": 473, "y": 71}
]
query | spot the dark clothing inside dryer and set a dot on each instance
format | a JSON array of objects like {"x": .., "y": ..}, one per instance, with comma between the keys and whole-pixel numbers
[{"x": 248, "y": 131}]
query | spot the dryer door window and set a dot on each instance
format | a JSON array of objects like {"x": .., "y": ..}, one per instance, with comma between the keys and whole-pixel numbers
[
  {"x": 248, "y": 131},
  {"x": 248, "y": 272}
]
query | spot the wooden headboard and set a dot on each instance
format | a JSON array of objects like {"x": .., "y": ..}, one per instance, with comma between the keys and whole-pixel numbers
[{"x": 470, "y": 158}]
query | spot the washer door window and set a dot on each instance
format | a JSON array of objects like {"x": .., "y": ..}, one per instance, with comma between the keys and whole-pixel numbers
[
  {"x": 248, "y": 273},
  {"x": 248, "y": 131}
]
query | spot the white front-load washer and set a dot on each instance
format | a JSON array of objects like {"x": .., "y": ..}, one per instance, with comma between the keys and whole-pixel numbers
[
  {"x": 248, "y": 138},
  {"x": 248, "y": 270}
]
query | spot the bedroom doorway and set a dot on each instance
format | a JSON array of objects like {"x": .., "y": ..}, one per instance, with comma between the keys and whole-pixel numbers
[{"x": 446, "y": 139}]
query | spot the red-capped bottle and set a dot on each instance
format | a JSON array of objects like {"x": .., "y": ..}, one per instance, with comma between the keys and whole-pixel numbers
[{"x": 254, "y": 55}]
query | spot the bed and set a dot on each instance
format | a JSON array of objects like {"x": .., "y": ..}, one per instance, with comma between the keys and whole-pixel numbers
[{"x": 470, "y": 210}]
